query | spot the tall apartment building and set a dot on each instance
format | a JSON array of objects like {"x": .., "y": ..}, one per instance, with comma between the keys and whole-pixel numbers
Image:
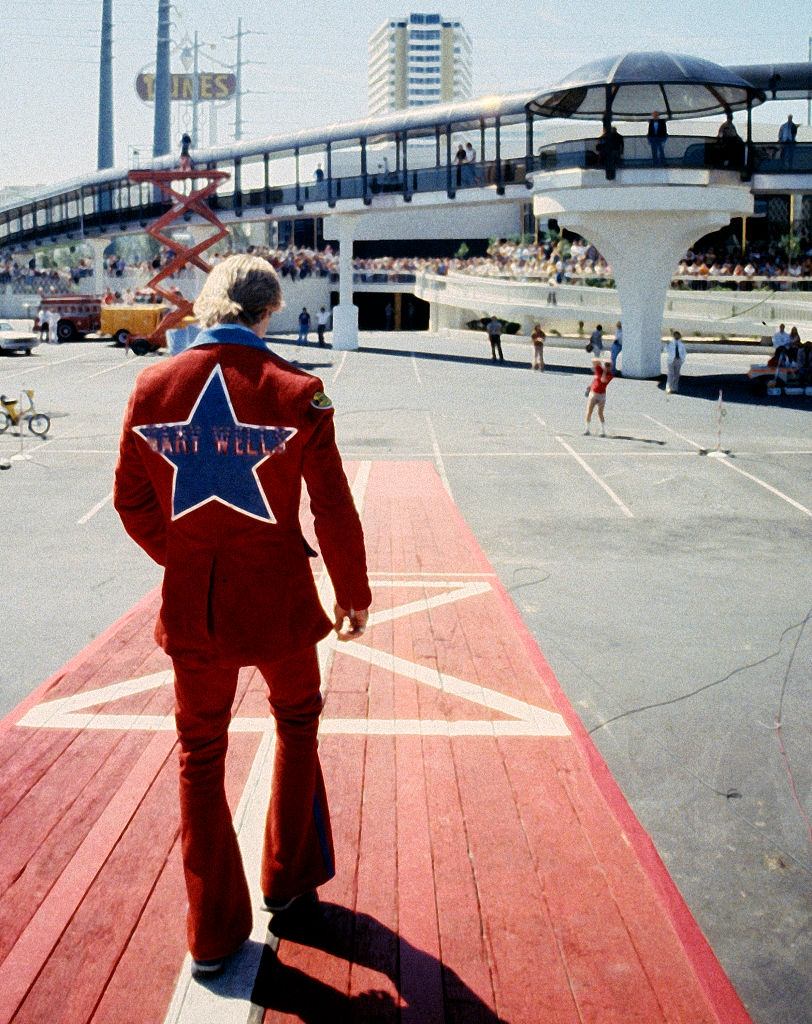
[{"x": 418, "y": 60}]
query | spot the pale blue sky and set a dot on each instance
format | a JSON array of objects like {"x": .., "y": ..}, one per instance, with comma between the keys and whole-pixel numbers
[{"x": 315, "y": 60}]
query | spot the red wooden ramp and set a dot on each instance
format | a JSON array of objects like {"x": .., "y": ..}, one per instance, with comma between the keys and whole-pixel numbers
[{"x": 488, "y": 867}]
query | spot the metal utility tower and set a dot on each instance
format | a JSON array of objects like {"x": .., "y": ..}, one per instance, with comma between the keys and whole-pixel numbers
[
  {"x": 238, "y": 66},
  {"x": 162, "y": 134},
  {"x": 106, "y": 144}
]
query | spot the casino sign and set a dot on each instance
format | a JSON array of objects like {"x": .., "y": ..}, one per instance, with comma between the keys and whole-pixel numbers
[{"x": 212, "y": 85}]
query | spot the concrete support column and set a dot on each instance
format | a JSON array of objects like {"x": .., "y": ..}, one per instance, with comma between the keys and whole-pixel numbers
[
  {"x": 345, "y": 314},
  {"x": 100, "y": 281},
  {"x": 644, "y": 252},
  {"x": 642, "y": 224}
]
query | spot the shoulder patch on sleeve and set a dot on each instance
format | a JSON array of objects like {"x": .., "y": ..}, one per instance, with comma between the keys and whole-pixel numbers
[{"x": 321, "y": 401}]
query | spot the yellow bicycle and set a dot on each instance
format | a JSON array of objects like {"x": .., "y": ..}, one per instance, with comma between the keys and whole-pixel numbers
[{"x": 12, "y": 413}]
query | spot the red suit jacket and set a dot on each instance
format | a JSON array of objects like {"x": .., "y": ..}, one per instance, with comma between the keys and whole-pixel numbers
[{"x": 214, "y": 448}]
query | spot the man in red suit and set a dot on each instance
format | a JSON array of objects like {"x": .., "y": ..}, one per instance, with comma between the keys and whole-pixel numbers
[{"x": 214, "y": 448}]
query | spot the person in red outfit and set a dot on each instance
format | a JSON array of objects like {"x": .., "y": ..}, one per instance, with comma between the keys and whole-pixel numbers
[
  {"x": 214, "y": 448},
  {"x": 596, "y": 392}
]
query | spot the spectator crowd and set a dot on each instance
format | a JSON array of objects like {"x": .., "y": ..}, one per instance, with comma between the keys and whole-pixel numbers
[{"x": 554, "y": 261}]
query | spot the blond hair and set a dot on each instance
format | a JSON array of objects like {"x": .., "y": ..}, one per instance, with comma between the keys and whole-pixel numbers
[{"x": 241, "y": 289}]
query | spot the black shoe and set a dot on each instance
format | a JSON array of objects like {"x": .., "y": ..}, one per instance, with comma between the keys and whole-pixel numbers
[{"x": 305, "y": 901}]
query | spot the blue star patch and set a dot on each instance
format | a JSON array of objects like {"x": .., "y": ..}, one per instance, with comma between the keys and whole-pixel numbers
[{"x": 215, "y": 457}]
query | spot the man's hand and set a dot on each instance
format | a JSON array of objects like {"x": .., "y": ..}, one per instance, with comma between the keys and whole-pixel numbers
[{"x": 357, "y": 622}]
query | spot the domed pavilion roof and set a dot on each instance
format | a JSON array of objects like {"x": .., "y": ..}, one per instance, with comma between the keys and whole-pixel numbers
[{"x": 674, "y": 84}]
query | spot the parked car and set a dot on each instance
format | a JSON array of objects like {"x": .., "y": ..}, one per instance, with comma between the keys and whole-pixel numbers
[{"x": 14, "y": 340}]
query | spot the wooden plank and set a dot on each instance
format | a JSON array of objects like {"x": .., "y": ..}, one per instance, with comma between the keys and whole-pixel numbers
[
  {"x": 155, "y": 950},
  {"x": 42, "y": 953}
]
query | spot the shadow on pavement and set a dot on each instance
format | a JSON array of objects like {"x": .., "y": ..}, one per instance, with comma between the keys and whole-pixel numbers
[
  {"x": 359, "y": 939},
  {"x": 735, "y": 387}
]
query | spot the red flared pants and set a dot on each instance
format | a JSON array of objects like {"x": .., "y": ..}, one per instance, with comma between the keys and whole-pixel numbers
[{"x": 298, "y": 847}]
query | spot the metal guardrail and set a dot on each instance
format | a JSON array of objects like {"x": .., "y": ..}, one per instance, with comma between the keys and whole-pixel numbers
[{"x": 680, "y": 151}]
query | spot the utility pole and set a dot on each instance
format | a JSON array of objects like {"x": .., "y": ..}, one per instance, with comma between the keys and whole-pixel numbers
[
  {"x": 195, "y": 94},
  {"x": 238, "y": 101},
  {"x": 238, "y": 66},
  {"x": 161, "y": 138},
  {"x": 106, "y": 145},
  {"x": 809, "y": 94}
]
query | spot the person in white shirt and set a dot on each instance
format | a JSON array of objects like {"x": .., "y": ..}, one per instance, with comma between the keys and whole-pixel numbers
[
  {"x": 43, "y": 325},
  {"x": 674, "y": 356},
  {"x": 780, "y": 338},
  {"x": 322, "y": 321}
]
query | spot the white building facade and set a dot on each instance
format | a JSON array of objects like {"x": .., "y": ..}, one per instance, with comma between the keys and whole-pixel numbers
[{"x": 418, "y": 60}]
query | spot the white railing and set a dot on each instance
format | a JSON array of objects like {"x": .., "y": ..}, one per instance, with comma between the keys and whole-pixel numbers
[{"x": 728, "y": 313}]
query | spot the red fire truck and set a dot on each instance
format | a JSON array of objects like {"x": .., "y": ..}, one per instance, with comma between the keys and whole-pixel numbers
[{"x": 78, "y": 314}]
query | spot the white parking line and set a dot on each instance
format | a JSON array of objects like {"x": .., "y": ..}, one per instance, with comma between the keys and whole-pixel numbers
[
  {"x": 726, "y": 462},
  {"x": 107, "y": 369},
  {"x": 438, "y": 455},
  {"x": 623, "y": 508},
  {"x": 767, "y": 487},
  {"x": 675, "y": 432},
  {"x": 416, "y": 371},
  {"x": 96, "y": 508},
  {"x": 43, "y": 366},
  {"x": 341, "y": 362}
]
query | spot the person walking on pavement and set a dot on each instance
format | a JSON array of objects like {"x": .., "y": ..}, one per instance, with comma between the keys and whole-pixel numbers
[
  {"x": 494, "y": 329},
  {"x": 596, "y": 342},
  {"x": 322, "y": 321},
  {"x": 537, "y": 337},
  {"x": 674, "y": 357},
  {"x": 304, "y": 326},
  {"x": 617, "y": 346},
  {"x": 213, "y": 452},
  {"x": 596, "y": 393}
]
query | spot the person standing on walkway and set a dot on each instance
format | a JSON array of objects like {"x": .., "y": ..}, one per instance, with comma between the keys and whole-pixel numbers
[
  {"x": 787, "y": 135},
  {"x": 185, "y": 158},
  {"x": 304, "y": 326},
  {"x": 595, "y": 345},
  {"x": 537, "y": 337},
  {"x": 460, "y": 159},
  {"x": 214, "y": 448},
  {"x": 674, "y": 358},
  {"x": 322, "y": 321},
  {"x": 617, "y": 346},
  {"x": 494, "y": 329},
  {"x": 596, "y": 393},
  {"x": 657, "y": 134}
]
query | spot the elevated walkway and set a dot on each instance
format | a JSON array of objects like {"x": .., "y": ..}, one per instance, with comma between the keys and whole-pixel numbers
[
  {"x": 457, "y": 298},
  {"x": 489, "y": 868}
]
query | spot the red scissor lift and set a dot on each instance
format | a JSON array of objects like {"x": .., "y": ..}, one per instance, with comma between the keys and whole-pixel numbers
[{"x": 182, "y": 206}]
